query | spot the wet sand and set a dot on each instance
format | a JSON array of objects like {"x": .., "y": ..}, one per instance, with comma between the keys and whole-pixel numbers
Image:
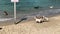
[{"x": 31, "y": 27}]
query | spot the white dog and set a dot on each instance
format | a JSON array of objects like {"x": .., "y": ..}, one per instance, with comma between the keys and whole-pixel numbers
[{"x": 41, "y": 19}]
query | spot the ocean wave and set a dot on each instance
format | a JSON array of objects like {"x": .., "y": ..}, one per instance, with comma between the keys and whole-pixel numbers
[{"x": 5, "y": 19}]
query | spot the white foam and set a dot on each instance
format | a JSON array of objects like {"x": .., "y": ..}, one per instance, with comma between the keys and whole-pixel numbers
[
  {"x": 51, "y": 6},
  {"x": 5, "y": 19}
]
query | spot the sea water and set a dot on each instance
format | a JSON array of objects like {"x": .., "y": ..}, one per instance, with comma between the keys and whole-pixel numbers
[{"x": 26, "y": 8}]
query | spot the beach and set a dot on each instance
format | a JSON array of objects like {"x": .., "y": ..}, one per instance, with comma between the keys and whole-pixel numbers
[
  {"x": 31, "y": 27},
  {"x": 26, "y": 10}
]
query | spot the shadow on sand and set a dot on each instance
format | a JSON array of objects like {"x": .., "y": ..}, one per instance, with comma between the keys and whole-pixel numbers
[{"x": 22, "y": 19}]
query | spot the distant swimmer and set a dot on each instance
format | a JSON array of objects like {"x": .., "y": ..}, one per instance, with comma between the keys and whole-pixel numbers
[{"x": 5, "y": 13}]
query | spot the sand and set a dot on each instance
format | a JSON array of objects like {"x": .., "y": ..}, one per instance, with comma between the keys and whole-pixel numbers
[{"x": 31, "y": 27}]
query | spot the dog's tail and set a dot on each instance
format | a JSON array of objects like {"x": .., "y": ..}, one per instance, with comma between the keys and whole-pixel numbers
[{"x": 45, "y": 18}]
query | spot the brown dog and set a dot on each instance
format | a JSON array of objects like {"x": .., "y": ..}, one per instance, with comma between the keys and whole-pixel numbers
[{"x": 5, "y": 13}]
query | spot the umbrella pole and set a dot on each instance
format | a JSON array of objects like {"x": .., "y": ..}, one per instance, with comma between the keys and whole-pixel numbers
[{"x": 15, "y": 11}]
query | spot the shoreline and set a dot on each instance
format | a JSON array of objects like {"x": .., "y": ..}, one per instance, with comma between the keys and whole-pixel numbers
[{"x": 30, "y": 27}]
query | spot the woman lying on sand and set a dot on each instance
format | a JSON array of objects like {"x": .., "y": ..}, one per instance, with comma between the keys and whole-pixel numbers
[{"x": 41, "y": 19}]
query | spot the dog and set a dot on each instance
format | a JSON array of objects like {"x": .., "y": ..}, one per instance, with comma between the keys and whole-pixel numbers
[
  {"x": 41, "y": 19},
  {"x": 5, "y": 13}
]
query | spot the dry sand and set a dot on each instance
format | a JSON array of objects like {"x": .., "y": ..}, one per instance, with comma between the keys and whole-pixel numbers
[{"x": 31, "y": 27}]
